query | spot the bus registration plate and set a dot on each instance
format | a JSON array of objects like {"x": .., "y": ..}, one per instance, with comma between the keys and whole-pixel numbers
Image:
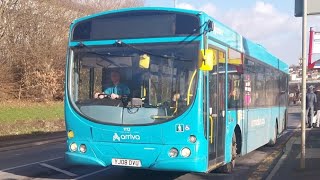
[{"x": 126, "y": 162}]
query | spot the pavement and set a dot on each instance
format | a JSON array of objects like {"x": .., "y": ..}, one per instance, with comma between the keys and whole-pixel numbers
[{"x": 288, "y": 167}]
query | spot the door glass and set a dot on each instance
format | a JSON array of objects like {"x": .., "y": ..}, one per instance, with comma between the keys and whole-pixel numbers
[
  {"x": 213, "y": 105},
  {"x": 217, "y": 107},
  {"x": 220, "y": 126}
]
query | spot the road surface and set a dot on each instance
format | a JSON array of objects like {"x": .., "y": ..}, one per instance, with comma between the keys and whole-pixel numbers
[{"x": 47, "y": 162}]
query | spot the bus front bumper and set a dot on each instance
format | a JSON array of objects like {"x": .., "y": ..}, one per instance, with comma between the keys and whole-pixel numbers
[
  {"x": 189, "y": 164},
  {"x": 155, "y": 158}
]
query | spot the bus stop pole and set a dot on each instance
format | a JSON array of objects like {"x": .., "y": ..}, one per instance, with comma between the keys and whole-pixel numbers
[{"x": 304, "y": 85}]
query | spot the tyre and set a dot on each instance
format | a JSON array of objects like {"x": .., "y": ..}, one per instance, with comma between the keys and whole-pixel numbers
[
  {"x": 273, "y": 141},
  {"x": 286, "y": 120}
]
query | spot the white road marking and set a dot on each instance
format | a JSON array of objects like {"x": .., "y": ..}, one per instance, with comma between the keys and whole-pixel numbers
[
  {"x": 57, "y": 169},
  {"x": 16, "y": 167},
  {"x": 90, "y": 174}
]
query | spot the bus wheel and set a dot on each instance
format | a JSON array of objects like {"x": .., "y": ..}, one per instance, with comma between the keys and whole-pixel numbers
[
  {"x": 228, "y": 168},
  {"x": 286, "y": 119},
  {"x": 273, "y": 141}
]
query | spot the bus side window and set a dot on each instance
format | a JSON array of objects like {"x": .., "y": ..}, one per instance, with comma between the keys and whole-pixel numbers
[
  {"x": 260, "y": 85},
  {"x": 234, "y": 91},
  {"x": 235, "y": 69}
]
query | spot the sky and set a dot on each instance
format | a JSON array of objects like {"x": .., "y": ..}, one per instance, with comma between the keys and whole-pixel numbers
[{"x": 270, "y": 23}]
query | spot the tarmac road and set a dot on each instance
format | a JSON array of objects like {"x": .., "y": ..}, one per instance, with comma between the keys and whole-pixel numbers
[{"x": 47, "y": 162}]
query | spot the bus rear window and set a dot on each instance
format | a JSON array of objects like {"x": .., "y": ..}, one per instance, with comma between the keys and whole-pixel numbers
[{"x": 136, "y": 25}]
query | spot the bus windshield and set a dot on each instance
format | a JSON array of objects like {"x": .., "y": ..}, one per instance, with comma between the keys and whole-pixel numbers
[{"x": 108, "y": 86}]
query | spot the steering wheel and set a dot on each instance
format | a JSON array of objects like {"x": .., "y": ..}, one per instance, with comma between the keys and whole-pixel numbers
[{"x": 103, "y": 95}]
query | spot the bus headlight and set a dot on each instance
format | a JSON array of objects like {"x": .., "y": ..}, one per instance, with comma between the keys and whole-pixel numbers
[
  {"x": 83, "y": 148},
  {"x": 73, "y": 147},
  {"x": 173, "y": 152},
  {"x": 185, "y": 152},
  {"x": 192, "y": 138}
]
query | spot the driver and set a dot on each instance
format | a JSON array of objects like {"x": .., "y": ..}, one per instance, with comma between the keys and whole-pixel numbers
[{"x": 117, "y": 89}]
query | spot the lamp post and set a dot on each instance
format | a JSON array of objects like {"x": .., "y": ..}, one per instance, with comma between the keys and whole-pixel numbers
[{"x": 304, "y": 84}]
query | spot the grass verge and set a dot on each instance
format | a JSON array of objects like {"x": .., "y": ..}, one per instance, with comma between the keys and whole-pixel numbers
[{"x": 18, "y": 117}]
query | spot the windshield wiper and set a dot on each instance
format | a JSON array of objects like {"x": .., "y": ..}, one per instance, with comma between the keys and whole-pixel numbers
[
  {"x": 119, "y": 43},
  {"x": 92, "y": 51}
]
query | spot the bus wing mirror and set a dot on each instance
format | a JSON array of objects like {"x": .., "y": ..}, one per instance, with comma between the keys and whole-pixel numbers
[
  {"x": 210, "y": 26},
  {"x": 206, "y": 59},
  {"x": 144, "y": 61}
]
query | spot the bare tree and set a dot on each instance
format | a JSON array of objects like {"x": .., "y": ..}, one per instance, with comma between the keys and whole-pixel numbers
[
  {"x": 33, "y": 41},
  {"x": 102, "y": 5}
]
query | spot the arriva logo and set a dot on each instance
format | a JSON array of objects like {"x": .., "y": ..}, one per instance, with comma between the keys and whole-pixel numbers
[{"x": 116, "y": 137}]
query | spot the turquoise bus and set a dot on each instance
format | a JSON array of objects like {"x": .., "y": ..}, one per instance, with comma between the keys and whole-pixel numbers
[{"x": 168, "y": 89}]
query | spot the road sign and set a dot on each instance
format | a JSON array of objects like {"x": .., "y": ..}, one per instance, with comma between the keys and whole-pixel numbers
[{"x": 313, "y": 7}]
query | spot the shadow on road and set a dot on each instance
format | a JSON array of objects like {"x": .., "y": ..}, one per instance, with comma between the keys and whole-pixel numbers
[{"x": 27, "y": 138}]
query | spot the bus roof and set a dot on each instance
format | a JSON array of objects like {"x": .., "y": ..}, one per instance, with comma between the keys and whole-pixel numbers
[
  {"x": 221, "y": 33},
  {"x": 232, "y": 39},
  {"x": 138, "y": 9}
]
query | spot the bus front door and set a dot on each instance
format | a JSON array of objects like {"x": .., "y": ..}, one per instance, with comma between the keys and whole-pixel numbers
[{"x": 217, "y": 113}]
